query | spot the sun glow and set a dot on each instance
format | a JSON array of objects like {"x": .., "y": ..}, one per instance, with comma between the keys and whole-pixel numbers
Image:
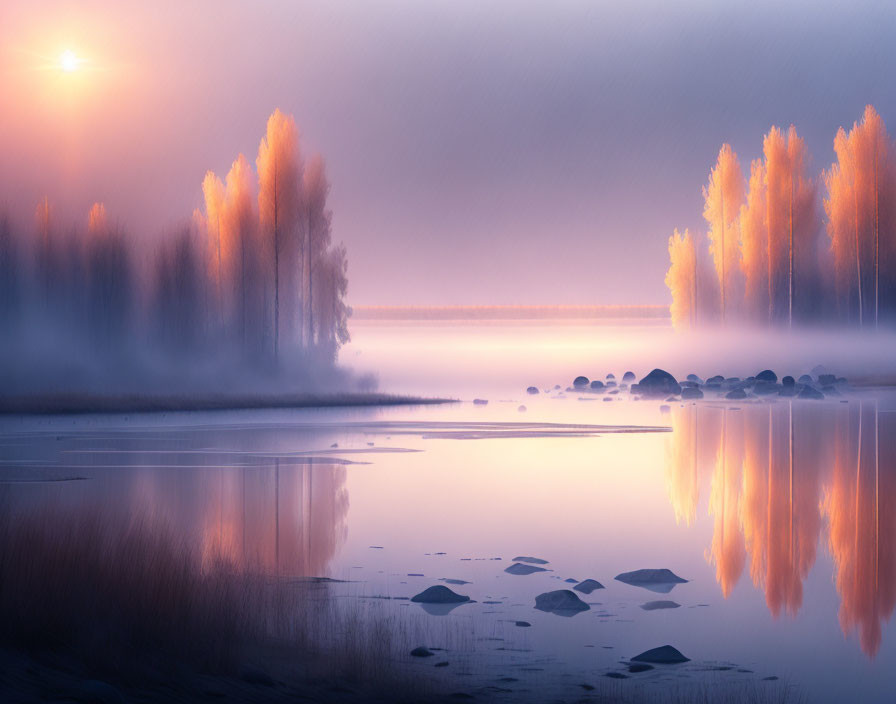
[{"x": 69, "y": 61}]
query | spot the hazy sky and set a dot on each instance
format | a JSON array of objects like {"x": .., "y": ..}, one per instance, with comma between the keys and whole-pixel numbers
[{"x": 480, "y": 152}]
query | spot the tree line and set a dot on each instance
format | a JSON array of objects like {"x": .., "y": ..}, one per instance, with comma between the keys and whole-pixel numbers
[
  {"x": 783, "y": 247},
  {"x": 254, "y": 275}
]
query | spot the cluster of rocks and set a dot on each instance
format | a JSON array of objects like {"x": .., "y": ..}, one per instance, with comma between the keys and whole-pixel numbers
[{"x": 661, "y": 384}]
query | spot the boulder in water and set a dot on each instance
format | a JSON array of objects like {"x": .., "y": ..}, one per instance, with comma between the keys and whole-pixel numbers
[
  {"x": 736, "y": 395},
  {"x": 532, "y": 390},
  {"x": 805, "y": 379},
  {"x": 611, "y": 375},
  {"x": 421, "y": 652},
  {"x": 691, "y": 392},
  {"x": 659, "y": 383},
  {"x": 522, "y": 570},
  {"x": 439, "y": 595},
  {"x": 580, "y": 382},
  {"x": 560, "y": 600},
  {"x": 588, "y": 586},
  {"x": 656, "y": 580},
  {"x": 664, "y": 655},
  {"x": 595, "y": 385},
  {"x": 480, "y": 401},
  {"x": 810, "y": 393},
  {"x": 767, "y": 375},
  {"x": 655, "y": 605},
  {"x": 628, "y": 376},
  {"x": 788, "y": 381},
  {"x": 530, "y": 560}
]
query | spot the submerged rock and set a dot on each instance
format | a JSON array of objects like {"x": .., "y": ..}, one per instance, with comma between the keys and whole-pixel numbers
[
  {"x": 588, "y": 586},
  {"x": 421, "y": 652},
  {"x": 560, "y": 600},
  {"x": 522, "y": 624},
  {"x": 691, "y": 392},
  {"x": 639, "y": 667},
  {"x": 655, "y": 605},
  {"x": 656, "y": 580},
  {"x": 531, "y": 560},
  {"x": 439, "y": 595},
  {"x": 522, "y": 570},
  {"x": 580, "y": 382},
  {"x": 480, "y": 401},
  {"x": 664, "y": 655},
  {"x": 659, "y": 383}
]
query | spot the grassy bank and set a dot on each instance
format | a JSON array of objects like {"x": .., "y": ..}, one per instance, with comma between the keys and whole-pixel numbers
[{"x": 74, "y": 403}]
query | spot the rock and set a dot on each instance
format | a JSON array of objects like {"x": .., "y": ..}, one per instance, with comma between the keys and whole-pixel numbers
[
  {"x": 664, "y": 655},
  {"x": 611, "y": 384},
  {"x": 596, "y": 385},
  {"x": 616, "y": 675},
  {"x": 531, "y": 560},
  {"x": 628, "y": 376},
  {"x": 805, "y": 379},
  {"x": 480, "y": 401},
  {"x": 588, "y": 586},
  {"x": 767, "y": 375},
  {"x": 788, "y": 381},
  {"x": 421, "y": 652},
  {"x": 639, "y": 667},
  {"x": 810, "y": 393},
  {"x": 522, "y": 570},
  {"x": 439, "y": 595},
  {"x": 442, "y": 664},
  {"x": 532, "y": 390},
  {"x": 655, "y": 605},
  {"x": 571, "y": 581},
  {"x": 789, "y": 390},
  {"x": 522, "y": 624},
  {"x": 717, "y": 379},
  {"x": 766, "y": 388},
  {"x": 827, "y": 379},
  {"x": 580, "y": 382},
  {"x": 611, "y": 376},
  {"x": 556, "y": 387},
  {"x": 560, "y": 600},
  {"x": 522, "y": 409},
  {"x": 736, "y": 395},
  {"x": 607, "y": 399},
  {"x": 656, "y": 580},
  {"x": 691, "y": 392},
  {"x": 693, "y": 377},
  {"x": 659, "y": 383}
]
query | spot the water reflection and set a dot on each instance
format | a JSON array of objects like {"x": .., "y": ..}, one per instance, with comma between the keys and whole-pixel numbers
[
  {"x": 277, "y": 517},
  {"x": 779, "y": 477}
]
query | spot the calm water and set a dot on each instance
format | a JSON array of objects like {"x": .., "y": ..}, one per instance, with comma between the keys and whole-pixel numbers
[{"x": 780, "y": 514}]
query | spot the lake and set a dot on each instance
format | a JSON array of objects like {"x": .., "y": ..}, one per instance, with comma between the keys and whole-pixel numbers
[{"x": 778, "y": 513}]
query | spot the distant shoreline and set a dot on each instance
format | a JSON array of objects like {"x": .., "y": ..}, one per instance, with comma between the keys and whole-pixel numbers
[
  {"x": 84, "y": 403},
  {"x": 508, "y": 312}
]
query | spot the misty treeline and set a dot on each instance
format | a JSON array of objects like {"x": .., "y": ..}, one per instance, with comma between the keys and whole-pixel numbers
[
  {"x": 783, "y": 247},
  {"x": 253, "y": 276}
]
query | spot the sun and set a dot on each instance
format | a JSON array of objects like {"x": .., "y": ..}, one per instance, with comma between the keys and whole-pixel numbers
[{"x": 69, "y": 61}]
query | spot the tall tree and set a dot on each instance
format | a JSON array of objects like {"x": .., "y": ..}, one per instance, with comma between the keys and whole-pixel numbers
[
  {"x": 318, "y": 233},
  {"x": 861, "y": 215},
  {"x": 753, "y": 223},
  {"x": 723, "y": 197},
  {"x": 279, "y": 196},
  {"x": 681, "y": 278}
]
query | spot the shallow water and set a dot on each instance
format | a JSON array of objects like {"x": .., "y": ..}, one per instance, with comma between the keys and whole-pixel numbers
[{"x": 779, "y": 514}]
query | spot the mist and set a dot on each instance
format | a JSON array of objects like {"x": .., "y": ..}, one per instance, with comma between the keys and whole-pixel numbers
[{"x": 246, "y": 295}]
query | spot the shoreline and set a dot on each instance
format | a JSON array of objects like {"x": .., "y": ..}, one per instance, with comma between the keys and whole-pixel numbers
[{"x": 88, "y": 403}]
